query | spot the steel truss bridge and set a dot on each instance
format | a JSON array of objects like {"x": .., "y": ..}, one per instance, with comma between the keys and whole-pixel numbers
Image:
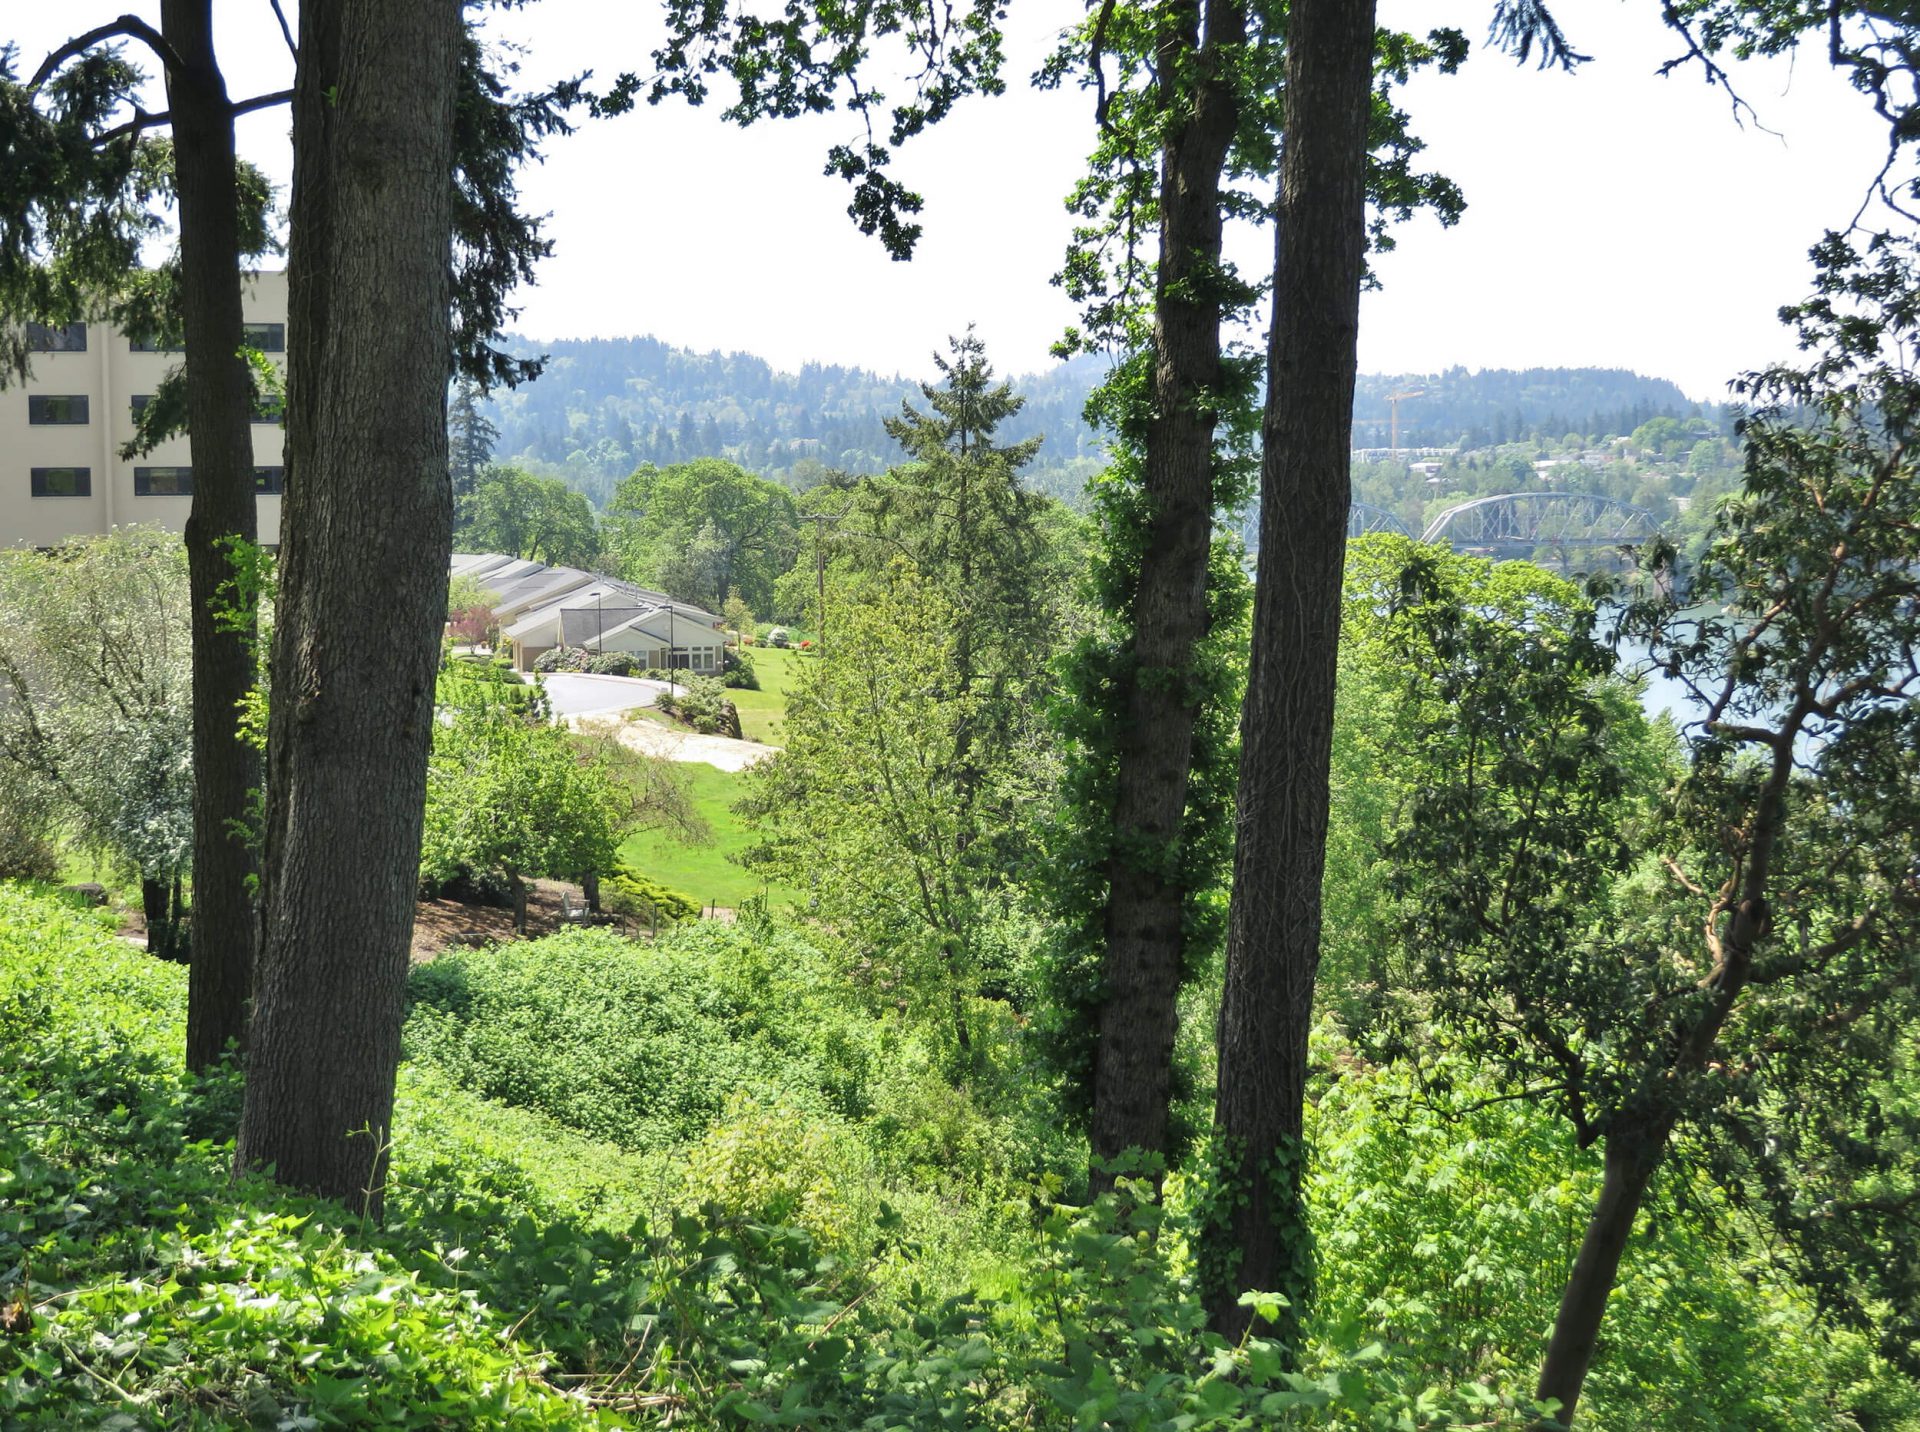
[
  {"x": 1364, "y": 517},
  {"x": 1523, "y": 523},
  {"x": 1517, "y": 524}
]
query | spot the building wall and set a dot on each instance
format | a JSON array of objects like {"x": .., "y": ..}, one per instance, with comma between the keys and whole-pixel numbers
[{"x": 109, "y": 375}]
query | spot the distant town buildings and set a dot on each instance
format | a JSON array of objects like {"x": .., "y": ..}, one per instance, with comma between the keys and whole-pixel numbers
[{"x": 61, "y": 473}]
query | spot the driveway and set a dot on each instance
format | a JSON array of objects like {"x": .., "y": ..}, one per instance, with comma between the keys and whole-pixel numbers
[{"x": 578, "y": 694}]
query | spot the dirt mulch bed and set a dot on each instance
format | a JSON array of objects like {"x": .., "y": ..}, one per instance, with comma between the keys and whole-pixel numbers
[{"x": 438, "y": 924}]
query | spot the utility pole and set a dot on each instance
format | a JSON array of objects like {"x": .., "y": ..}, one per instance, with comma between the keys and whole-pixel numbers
[{"x": 820, "y": 564}]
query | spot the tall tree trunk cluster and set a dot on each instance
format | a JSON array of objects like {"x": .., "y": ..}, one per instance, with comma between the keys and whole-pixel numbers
[
  {"x": 363, "y": 582},
  {"x": 1273, "y": 941},
  {"x": 219, "y": 402},
  {"x": 1133, "y": 1056}
]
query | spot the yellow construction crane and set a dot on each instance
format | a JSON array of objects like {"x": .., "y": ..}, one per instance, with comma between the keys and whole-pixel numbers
[{"x": 1393, "y": 400}]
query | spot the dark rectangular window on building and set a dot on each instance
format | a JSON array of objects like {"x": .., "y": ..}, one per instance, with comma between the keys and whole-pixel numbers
[
  {"x": 267, "y": 337},
  {"x": 140, "y": 401},
  {"x": 160, "y": 343},
  {"x": 269, "y": 480},
  {"x": 57, "y": 410},
  {"x": 163, "y": 482},
  {"x": 71, "y": 338},
  {"x": 60, "y": 481},
  {"x": 268, "y": 409}
]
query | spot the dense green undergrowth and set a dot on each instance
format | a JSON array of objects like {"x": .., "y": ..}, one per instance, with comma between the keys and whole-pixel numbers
[{"x": 685, "y": 1184}]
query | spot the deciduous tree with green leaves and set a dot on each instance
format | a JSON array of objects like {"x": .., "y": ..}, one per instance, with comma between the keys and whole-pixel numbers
[
  {"x": 89, "y": 169},
  {"x": 703, "y": 530},
  {"x": 539, "y": 518},
  {"x": 513, "y": 798},
  {"x": 1726, "y": 962},
  {"x": 873, "y": 809},
  {"x": 94, "y": 720}
]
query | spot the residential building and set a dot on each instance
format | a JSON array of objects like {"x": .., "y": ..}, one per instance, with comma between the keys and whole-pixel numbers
[
  {"x": 540, "y": 607},
  {"x": 61, "y": 473}
]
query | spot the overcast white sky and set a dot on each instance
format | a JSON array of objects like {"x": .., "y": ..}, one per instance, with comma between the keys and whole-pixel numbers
[{"x": 1614, "y": 218}]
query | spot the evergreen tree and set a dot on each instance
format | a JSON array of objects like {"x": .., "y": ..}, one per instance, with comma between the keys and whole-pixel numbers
[
  {"x": 77, "y": 193},
  {"x": 944, "y": 606},
  {"x": 470, "y": 440}
]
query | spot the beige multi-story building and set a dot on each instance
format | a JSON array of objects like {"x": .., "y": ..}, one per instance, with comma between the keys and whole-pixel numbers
[{"x": 61, "y": 473}]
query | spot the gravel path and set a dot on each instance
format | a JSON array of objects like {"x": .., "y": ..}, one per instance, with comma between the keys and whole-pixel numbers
[{"x": 677, "y": 744}]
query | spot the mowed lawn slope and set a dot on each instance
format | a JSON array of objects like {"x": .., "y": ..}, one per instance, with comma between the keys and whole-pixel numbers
[
  {"x": 705, "y": 871},
  {"x": 780, "y": 672}
]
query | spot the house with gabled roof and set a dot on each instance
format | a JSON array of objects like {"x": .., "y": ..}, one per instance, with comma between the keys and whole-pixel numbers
[{"x": 540, "y": 607}]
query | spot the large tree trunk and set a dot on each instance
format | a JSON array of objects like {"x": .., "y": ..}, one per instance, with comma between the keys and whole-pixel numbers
[
  {"x": 156, "y": 914},
  {"x": 1631, "y": 1158},
  {"x": 225, "y": 768},
  {"x": 1273, "y": 942},
  {"x": 1133, "y": 1058},
  {"x": 363, "y": 584}
]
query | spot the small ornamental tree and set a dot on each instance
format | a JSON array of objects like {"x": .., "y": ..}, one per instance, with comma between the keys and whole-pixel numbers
[
  {"x": 510, "y": 798},
  {"x": 94, "y": 714},
  {"x": 1723, "y": 961}
]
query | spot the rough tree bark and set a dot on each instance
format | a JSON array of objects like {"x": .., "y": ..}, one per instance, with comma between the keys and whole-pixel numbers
[
  {"x": 219, "y": 401},
  {"x": 1273, "y": 941},
  {"x": 1133, "y": 1058},
  {"x": 363, "y": 584}
]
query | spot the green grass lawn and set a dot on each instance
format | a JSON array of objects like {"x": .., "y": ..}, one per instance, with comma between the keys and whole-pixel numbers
[
  {"x": 780, "y": 674},
  {"x": 704, "y": 871}
]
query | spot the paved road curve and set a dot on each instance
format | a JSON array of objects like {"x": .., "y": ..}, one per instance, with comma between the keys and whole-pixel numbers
[{"x": 578, "y": 694}]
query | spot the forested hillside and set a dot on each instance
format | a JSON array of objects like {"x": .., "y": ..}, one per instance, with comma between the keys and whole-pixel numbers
[
  {"x": 606, "y": 405},
  {"x": 1498, "y": 405}
]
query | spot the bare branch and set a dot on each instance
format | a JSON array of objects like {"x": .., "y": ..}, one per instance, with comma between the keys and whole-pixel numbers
[
  {"x": 1673, "y": 868},
  {"x": 1743, "y": 113},
  {"x": 285, "y": 30},
  {"x": 142, "y": 121},
  {"x": 131, "y": 26}
]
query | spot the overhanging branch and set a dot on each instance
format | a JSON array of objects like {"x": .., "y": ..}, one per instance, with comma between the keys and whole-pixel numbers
[
  {"x": 142, "y": 121},
  {"x": 131, "y": 26}
]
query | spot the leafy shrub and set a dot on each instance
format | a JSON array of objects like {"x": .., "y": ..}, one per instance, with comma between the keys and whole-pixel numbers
[
  {"x": 476, "y": 685},
  {"x": 777, "y": 636},
  {"x": 611, "y": 663},
  {"x": 772, "y": 1162},
  {"x": 164, "y": 1292},
  {"x": 561, "y": 658},
  {"x": 701, "y": 703},
  {"x": 627, "y": 892},
  {"x": 737, "y": 672},
  {"x": 1447, "y": 1218},
  {"x": 27, "y": 850},
  {"x": 640, "y": 1044}
]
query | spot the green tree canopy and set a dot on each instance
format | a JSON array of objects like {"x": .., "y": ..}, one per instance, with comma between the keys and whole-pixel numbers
[
  {"x": 539, "y": 518},
  {"x": 94, "y": 680},
  {"x": 702, "y": 530},
  {"x": 1720, "y": 954},
  {"x": 513, "y": 798}
]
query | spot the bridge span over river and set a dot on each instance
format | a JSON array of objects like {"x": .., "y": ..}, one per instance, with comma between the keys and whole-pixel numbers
[{"x": 1521, "y": 524}]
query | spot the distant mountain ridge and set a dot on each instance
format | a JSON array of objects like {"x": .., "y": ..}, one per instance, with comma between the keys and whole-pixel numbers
[
  {"x": 606, "y": 405},
  {"x": 1499, "y": 405}
]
